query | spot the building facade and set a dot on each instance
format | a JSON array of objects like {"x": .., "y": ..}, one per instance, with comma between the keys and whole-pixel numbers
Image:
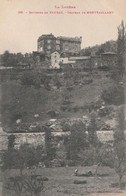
[
  {"x": 55, "y": 58},
  {"x": 48, "y": 44}
]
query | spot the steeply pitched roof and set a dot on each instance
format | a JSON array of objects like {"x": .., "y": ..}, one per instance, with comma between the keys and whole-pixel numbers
[
  {"x": 76, "y": 39},
  {"x": 46, "y": 36}
]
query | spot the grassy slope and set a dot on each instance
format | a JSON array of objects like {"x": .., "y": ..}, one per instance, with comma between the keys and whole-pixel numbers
[
  {"x": 61, "y": 181},
  {"x": 25, "y": 100}
]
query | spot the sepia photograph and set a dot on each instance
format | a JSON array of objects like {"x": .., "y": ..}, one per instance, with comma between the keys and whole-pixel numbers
[{"x": 62, "y": 98}]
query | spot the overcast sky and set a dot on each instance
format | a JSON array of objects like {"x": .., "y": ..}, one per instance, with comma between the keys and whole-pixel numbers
[{"x": 19, "y": 32}]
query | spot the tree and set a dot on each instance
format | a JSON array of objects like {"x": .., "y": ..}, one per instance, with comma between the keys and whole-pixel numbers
[
  {"x": 11, "y": 141},
  {"x": 12, "y": 160},
  {"x": 121, "y": 50},
  {"x": 5, "y": 58},
  {"x": 25, "y": 156},
  {"x": 15, "y": 184},
  {"x": 9, "y": 59},
  {"x": 87, "y": 52},
  {"x": 120, "y": 147},
  {"x": 77, "y": 140},
  {"x": 22, "y": 185},
  {"x": 114, "y": 95},
  {"x": 100, "y": 51},
  {"x": 92, "y": 135},
  {"x": 49, "y": 148}
]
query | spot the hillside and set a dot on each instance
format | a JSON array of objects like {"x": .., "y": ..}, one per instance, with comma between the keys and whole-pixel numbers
[
  {"x": 109, "y": 46},
  {"x": 67, "y": 94}
]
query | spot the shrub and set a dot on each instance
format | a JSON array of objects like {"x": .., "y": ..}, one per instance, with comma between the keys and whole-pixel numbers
[
  {"x": 105, "y": 157},
  {"x": 120, "y": 146},
  {"x": 114, "y": 95},
  {"x": 11, "y": 141},
  {"x": 104, "y": 68},
  {"x": 21, "y": 185},
  {"x": 52, "y": 114},
  {"x": 49, "y": 147},
  {"x": 28, "y": 78},
  {"x": 87, "y": 157},
  {"x": 77, "y": 141},
  {"x": 66, "y": 127},
  {"x": 104, "y": 111},
  {"x": 71, "y": 163},
  {"x": 97, "y": 155},
  {"x": 92, "y": 135},
  {"x": 115, "y": 75},
  {"x": 26, "y": 155}
]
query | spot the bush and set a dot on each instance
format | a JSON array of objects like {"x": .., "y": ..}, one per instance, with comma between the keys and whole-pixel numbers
[
  {"x": 66, "y": 127},
  {"x": 21, "y": 185},
  {"x": 94, "y": 155},
  {"x": 65, "y": 108},
  {"x": 104, "y": 68},
  {"x": 71, "y": 163},
  {"x": 115, "y": 75},
  {"x": 30, "y": 78},
  {"x": 77, "y": 141},
  {"x": 114, "y": 95},
  {"x": 104, "y": 111},
  {"x": 25, "y": 156},
  {"x": 80, "y": 182},
  {"x": 27, "y": 78},
  {"x": 108, "y": 159},
  {"x": 87, "y": 157},
  {"x": 52, "y": 114}
]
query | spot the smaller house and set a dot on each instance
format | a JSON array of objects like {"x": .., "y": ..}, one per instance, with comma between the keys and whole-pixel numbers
[
  {"x": 81, "y": 61},
  {"x": 66, "y": 60},
  {"x": 55, "y": 58},
  {"x": 79, "y": 58}
]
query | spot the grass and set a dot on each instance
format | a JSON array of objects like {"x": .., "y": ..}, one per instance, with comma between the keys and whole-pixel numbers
[
  {"x": 61, "y": 181},
  {"x": 22, "y": 101}
]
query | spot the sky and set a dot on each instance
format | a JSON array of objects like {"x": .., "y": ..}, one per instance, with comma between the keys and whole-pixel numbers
[{"x": 19, "y": 32}]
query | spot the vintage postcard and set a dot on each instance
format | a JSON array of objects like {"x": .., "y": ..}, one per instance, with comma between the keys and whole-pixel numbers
[{"x": 62, "y": 97}]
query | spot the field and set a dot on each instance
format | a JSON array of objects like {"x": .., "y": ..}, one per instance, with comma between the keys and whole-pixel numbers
[{"x": 61, "y": 180}]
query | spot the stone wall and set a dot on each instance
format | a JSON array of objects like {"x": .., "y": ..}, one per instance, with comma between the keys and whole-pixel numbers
[{"x": 38, "y": 138}]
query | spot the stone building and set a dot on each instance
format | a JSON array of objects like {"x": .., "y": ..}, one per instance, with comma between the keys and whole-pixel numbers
[{"x": 47, "y": 44}]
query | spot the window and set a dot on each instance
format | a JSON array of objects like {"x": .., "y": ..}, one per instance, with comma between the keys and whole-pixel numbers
[
  {"x": 48, "y": 41},
  {"x": 49, "y": 47},
  {"x": 40, "y": 49},
  {"x": 76, "y": 48},
  {"x": 57, "y": 41},
  {"x": 57, "y": 47},
  {"x": 66, "y": 47}
]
